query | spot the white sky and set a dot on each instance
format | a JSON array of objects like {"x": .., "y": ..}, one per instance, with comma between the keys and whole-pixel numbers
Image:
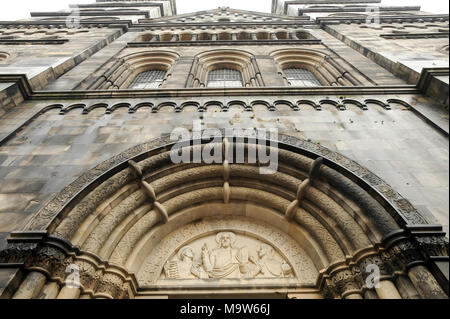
[{"x": 19, "y": 9}]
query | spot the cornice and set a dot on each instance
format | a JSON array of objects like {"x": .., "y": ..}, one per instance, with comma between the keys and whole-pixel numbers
[
  {"x": 428, "y": 74},
  {"x": 254, "y": 91},
  {"x": 220, "y": 42},
  {"x": 33, "y": 41},
  {"x": 21, "y": 81},
  {"x": 414, "y": 35},
  {"x": 384, "y": 19},
  {"x": 90, "y": 14},
  {"x": 142, "y": 22},
  {"x": 359, "y": 9},
  {"x": 235, "y": 11},
  {"x": 28, "y": 93},
  {"x": 124, "y": 24},
  {"x": 320, "y": 2}
]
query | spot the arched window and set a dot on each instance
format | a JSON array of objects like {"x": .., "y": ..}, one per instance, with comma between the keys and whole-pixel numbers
[
  {"x": 301, "y": 77},
  {"x": 224, "y": 78},
  {"x": 148, "y": 80}
]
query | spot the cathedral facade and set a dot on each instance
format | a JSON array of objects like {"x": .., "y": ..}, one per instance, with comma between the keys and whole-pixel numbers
[{"x": 298, "y": 154}]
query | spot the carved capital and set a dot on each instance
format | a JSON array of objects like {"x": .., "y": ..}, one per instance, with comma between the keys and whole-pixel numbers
[
  {"x": 16, "y": 253},
  {"x": 433, "y": 245},
  {"x": 113, "y": 285},
  {"x": 365, "y": 263},
  {"x": 49, "y": 259},
  {"x": 402, "y": 255},
  {"x": 89, "y": 276},
  {"x": 345, "y": 281}
]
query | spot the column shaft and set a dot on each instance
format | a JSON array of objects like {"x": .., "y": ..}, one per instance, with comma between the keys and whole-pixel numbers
[
  {"x": 50, "y": 291},
  {"x": 370, "y": 294},
  {"x": 387, "y": 290},
  {"x": 406, "y": 288},
  {"x": 425, "y": 283},
  {"x": 353, "y": 296},
  {"x": 69, "y": 293},
  {"x": 31, "y": 286}
]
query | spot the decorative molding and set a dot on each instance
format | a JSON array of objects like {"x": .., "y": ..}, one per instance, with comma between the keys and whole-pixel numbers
[
  {"x": 21, "y": 80},
  {"x": 50, "y": 256},
  {"x": 288, "y": 249},
  {"x": 34, "y": 42},
  {"x": 429, "y": 35},
  {"x": 383, "y": 19},
  {"x": 220, "y": 43},
  {"x": 404, "y": 210},
  {"x": 249, "y": 91},
  {"x": 394, "y": 256}
]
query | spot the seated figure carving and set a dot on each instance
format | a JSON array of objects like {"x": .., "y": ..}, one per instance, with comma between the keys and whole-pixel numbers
[
  {"x": 183, "y": 267},
  {"x": 224, "y": 261},
  {"x": 269, "y": 266},
  {"x": 227, "y": 262}
]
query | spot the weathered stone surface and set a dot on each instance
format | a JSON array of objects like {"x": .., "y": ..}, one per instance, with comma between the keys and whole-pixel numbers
[{"x": 86, "y": 176}]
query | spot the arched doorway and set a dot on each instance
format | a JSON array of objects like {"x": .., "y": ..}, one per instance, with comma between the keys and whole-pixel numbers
[{"x": 140, "y": 226}]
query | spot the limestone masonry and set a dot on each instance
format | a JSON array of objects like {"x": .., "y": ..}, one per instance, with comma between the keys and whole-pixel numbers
[{"x": 92, "y": 205}]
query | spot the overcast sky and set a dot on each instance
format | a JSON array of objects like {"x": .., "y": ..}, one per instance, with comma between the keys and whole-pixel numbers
[{"x": 19, "y": 9}]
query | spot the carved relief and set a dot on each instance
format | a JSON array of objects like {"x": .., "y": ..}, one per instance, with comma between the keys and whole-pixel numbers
[
  {"x": 227, "y": 248},
  {"x": 228, "y": 260},
  {"x": 433, "y": 245}
]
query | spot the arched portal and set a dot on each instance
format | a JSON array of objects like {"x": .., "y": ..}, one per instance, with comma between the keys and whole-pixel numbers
[{"x": 318, "y": 226}]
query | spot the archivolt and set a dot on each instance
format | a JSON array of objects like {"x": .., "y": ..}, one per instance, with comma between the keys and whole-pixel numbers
[
  {"x": 241, "y": 61},
  {"x": 119, "y": 210},
  {"x": 324, "y": 67},
  {"x": 122, "y": 71}
]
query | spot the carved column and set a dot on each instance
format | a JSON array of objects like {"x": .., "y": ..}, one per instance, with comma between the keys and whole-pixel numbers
[
  {"x": 234, "y": 36},
  {"x": 69, "y": 293},
  {"x": 345, "y": 285},
  {"x": 370, "y": 294},
  {"x": 273, "y": 36},
  {"x": 214, "y": 37},
  {"x": 425, "y": 283},
  {"x": 254, "y": 37},
  {"x": 31, "y": 286},
  {"x": 353, "y": 296},
  {"x": 384, "y": 287},
  {"x": 50, "y": 291},
  {"x": 386, "y": 290},
  {"x": 406, "y": 288}
]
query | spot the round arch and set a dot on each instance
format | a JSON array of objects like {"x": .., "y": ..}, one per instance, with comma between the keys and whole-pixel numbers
[
  {"x": 324, "y": 218},
  {"x": 124, "y": 70},
  {"x": 324, "y": 67},
  {"x": 238, "y": 60}
]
